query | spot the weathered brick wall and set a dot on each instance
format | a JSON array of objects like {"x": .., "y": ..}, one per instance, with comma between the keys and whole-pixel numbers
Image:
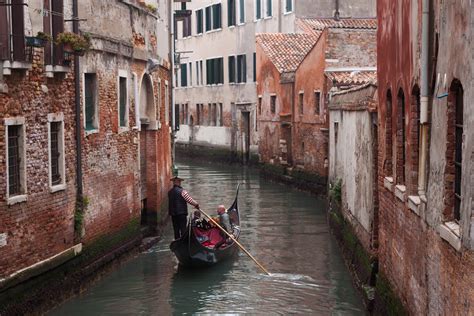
[
  {"x": 43, "y": 225},
  {"x": 431, "y": 272},
  {"x": 352, "y": 48},
  {"x": 310, "y": 139}
]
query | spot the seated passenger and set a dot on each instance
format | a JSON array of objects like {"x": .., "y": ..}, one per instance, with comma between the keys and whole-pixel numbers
[
  {"x": 200, "y": 222},
  {"x": 224, "y": 219}
]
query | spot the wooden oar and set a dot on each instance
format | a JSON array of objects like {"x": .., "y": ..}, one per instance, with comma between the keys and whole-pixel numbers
[{"x": 235, "y": 240}]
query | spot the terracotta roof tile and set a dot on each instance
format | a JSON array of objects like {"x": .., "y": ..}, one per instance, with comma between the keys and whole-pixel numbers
[
  {"x": 352, "y": 77},
  {"x": 314, "y": 25},
  {"x": 286, "y": 51}
]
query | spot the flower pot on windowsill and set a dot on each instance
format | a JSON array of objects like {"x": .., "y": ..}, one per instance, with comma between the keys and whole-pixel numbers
[
  {"x": 67, "y": 47},
  {"x": 33, "y": 41}
]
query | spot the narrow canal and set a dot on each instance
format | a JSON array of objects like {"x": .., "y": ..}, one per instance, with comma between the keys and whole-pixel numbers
[{"x": 285, "y": 229}]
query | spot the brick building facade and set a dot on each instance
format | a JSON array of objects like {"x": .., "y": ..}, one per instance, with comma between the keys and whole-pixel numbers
[
  {"x": 425, "y": 166},
  {"x": 124, "y": 90},
  {"x": 293, "y": 87}
]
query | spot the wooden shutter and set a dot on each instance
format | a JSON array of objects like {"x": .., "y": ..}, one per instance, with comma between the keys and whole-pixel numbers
[
  {"x": 58, "y": 27},
  {"x": 4, "y": 32},
  {"x": 231, "y": 69},
  {"x": 18, "y": 30}
]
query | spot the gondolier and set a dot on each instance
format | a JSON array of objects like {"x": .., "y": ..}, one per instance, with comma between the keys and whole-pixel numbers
[{"x": 178, "y": 207}]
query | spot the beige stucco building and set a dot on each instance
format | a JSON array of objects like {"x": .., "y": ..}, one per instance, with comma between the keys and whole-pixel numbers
[{"x": 216, "y": 93}]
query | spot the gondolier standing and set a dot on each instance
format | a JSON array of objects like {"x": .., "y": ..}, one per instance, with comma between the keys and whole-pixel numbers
[{"x": 178, "y": 207}]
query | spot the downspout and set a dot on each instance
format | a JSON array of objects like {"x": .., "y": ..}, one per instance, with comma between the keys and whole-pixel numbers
[
  {"x": 77, "y": 91},
  {"x": 424, "y": 101},
  {"x": 280, "y": 15},
  {"x": 336, "y": 13},
  {"x": 172, "y": 85}
]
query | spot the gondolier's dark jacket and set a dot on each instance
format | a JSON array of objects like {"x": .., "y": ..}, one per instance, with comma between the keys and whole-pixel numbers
[{"x": 177, "y": 204}]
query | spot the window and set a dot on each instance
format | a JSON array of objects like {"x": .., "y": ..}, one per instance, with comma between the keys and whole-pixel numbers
[
  {"x": 214, "y": 17},
  {"x": 241, "y": 68},
  {"x": 16, "y": 157},
  {"x": 273, "y": 103},
  {"x": 300, "y": 102},
  {"x": 190, "y": 74},
  {"x": 209, "y": 114},
  {"x": 198, "y": 114},
  {"x": 414, "y": 123},
  {"x": 186, "y": 114},
  {"x": 176, "y": 117},
  {"x": 90, "y": 99},
  {"x": 123, "y": 100},
  {"x": 241, "y": 11},
  {"x": 215, "y": 71},
  {"x": 254, "y": 67},
  {"x": 260, "y": 105},
  {"x": 221, "y": 115},
  {"x": 56, "y": 152},
  {"x": 317, "y": 103},
  {"x": 231, "y": 13},
  {"x": 288, "y": 6},
  {"x": 388, "y": 166},
  {"x": 258, "y": 9},
  {"x": 217, "y": 16},
  {"x": 184, "y": 75},
  {"x": 401, "y": 136},
  {"x": 199, "y": 21},
  {"x": 187, "y": 26},
  {"x": 167, "y": 104},
  {"x": 454, "y": 152},
  {"x": 214, "y": 114},
  {"x": 208, "y": 19},
  {"x": 201, "y": 73},
  {"x": 231, "y": 69},
  {"x": 12, "y": 31},
  {"x": 53, "y": 24},
  {"x": 268, "y": 8}
]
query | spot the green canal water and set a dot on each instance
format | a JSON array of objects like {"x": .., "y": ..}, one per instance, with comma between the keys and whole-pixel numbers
[{"x": 285, "y": 229}]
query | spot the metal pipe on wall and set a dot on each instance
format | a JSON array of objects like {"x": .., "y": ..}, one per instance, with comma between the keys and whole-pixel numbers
[
  {"x": 424, "y": 101},
  {"x": 77, "y": 91}
]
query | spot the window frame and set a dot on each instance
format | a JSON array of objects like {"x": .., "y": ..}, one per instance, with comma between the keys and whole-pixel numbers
[
  {"x": 123, "y": 74},
  {"x": 241, "y": 20},
  {"x": 317, "y": 102},
  {"x": 301, "y": 102},
  {"x": 57, "y": 118},
  {"x": 258, "y": 14},
  {"x": 273, "y": 102},
  {"x": 268, "y": 5},
  {"x": 199, "y": 21},
  {"x": 241, "y": 68},
  {"x": 96, "y": 119},
  {"x": 212, "y": 71},
  {"x": 231, "y": 13},
  {"x": 23, "y": 195},
  {"x": 286, "y": 7}
]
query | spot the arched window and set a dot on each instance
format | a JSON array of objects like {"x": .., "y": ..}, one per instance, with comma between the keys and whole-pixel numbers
[
  {"x": 414, "y": 139},
  {"x": 388, "y": 166},
  {"x": 453, "y": 172},
  {"x": 401, "y": 137}
]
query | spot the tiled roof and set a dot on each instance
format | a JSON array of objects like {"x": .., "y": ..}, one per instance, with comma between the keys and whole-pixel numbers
[
  {"x": 312, "y": 25},
  {"x": 286, "y": 51},
  {"x": 352, "y": 77}
]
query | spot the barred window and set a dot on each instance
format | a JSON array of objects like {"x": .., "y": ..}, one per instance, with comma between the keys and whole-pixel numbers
[{"x": 14, "y": 160}]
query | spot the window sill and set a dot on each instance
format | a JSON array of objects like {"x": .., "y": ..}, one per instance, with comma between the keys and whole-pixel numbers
[
  {"x": 21, "y": 65},
  {"x": 240, "y": 24},
  {"x": 388, "y": 183},
  {"x": 123, "y": 129},
  {"x": 91, "y": 131},
  {"x": 400, "y": 192},
  {"x": 450, "y": 232},
  {"x": 214, "y": 31},
  {"x": 57, "y": 188},
  {"x": 268, "y": 17},
  {"x": 17, "y": 199},
  {"x": 414, "y": 202},
  {"x": 288, "y": 13}
]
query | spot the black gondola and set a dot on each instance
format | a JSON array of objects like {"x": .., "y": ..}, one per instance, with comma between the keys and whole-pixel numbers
[{"x": 194, "y": 250}]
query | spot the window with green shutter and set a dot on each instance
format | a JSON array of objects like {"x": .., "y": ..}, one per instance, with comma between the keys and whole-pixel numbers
[
  {"x": 90, "y": 100},
  {"x": 199, "y": 21},
  {"x": 208, "y": 19},
  {"x": 231, "y": 14},
  {"x": 123, "y": 101},
  {"x": 231, "y": 69}
]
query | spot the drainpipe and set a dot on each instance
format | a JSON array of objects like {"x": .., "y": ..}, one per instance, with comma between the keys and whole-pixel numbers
[
  {"x": 424, "y": 99},
  {"x": 172, "y": 84},
  {"x": 75, "y": 27},
  {"x": 336, "y": 13}
]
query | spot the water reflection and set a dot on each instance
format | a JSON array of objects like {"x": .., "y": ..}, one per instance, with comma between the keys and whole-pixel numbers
[{"x": 285, "y": 229}]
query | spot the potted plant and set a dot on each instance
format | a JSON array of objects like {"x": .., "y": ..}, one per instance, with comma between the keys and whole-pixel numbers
[
  {"x": 74, "y": 43},
  {"x": 40, "y": 40},
  {"x": 152, "y": 8}
]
